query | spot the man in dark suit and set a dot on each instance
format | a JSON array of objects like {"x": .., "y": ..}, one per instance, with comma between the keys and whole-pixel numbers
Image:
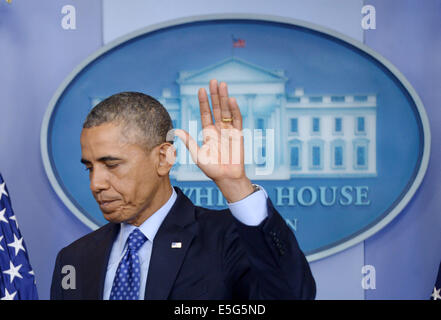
[{"x": 157, "y": 244}]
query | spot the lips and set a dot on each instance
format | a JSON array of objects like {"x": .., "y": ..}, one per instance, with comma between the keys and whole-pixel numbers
[{"x": 107, "y": 205}]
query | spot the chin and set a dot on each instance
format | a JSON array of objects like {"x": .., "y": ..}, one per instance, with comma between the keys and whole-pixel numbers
[
  {"x": 113, "y": 217},
  {"x": 116, "y": 217}
]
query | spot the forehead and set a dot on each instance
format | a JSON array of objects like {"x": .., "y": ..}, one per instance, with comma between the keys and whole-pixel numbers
[
  {"x": 103, "y": 133},
  {"x": 104, "y": 139}
]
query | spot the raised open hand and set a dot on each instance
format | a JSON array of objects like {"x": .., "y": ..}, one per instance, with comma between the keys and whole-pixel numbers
[{"x": 221, "y": 156}]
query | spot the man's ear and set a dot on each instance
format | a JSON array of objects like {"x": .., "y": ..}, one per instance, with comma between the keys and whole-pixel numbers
[{"x": 167, "y": 158}]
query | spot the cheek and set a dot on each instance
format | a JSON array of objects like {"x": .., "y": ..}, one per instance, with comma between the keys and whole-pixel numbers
[
  {"x": 134, "y": 189},
  {"x": 145, "y": 186},
  {"x": 125, "y": 187}
]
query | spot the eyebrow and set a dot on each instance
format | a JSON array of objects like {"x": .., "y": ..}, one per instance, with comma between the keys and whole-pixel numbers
[{"x": 102, "y": 159}]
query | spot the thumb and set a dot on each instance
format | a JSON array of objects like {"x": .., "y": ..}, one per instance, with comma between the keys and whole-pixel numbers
[{"x": 189, "y": 142}]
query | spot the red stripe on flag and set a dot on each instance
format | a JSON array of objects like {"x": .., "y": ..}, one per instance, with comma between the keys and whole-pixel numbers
[{"x": 239, "y": 43}]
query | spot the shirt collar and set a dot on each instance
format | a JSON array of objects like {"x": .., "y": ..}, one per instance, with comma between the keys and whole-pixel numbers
[{"x": 149, "y": 227}]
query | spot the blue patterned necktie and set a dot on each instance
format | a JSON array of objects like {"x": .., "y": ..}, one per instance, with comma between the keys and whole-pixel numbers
[{"x": 127, "y": 278}]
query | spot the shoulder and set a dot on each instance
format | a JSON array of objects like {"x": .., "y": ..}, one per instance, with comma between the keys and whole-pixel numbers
[
  {"x": 206, "y": 215},
  {"x": 91, "y": 240},
  {"x": 215, "y": 221}
]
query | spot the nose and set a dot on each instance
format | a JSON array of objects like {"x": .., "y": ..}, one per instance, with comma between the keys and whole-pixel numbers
[{"x": 98, "y": 180}]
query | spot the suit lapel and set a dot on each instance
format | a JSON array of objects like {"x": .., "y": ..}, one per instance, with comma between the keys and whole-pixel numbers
[
  {"x": 94, "y": 277},
  {"x": 178, "y": 227}
]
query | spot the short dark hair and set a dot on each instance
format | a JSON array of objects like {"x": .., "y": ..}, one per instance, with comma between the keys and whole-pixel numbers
[{"x": 134, "y": 110}]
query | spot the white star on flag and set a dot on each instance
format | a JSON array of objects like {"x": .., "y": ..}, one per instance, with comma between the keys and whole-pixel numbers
[
  {"x": 9, "y": 296},
  {"x": 17, "y": 245},
  {"x": 1, "y": 248},
  {"x": 435, "y": 295},
  {"x": 2, "y": 216},
  {"x": 3, "y": 190},
  {"x": 33, "y": 274},
  {"x": 13, "y": 271},
  {"x": 15, "y": 219}
]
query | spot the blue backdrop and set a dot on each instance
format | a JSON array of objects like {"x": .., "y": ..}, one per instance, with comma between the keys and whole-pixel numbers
[{"x": 36, "y": 54}]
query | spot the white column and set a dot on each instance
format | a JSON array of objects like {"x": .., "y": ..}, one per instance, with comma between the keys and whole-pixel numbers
[{"x": 250, "y": 101}]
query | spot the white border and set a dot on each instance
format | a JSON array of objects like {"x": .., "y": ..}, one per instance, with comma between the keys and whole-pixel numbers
[{"x": 319, "y": 255}]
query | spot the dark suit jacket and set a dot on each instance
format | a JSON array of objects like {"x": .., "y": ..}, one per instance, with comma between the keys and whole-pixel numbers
[{"x": 220, "y": 258}]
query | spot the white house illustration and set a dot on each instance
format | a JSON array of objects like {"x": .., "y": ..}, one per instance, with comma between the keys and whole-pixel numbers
[{"x": 301, "y": 135}]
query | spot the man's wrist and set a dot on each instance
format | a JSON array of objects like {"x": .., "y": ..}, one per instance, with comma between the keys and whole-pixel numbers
[
  {"x": 251, "y": 210},
  {"x": 256, "y": 187},
  {"x": 235, "y": 190}
]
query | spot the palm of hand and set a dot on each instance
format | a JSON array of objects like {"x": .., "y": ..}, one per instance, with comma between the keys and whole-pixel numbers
[{"x": 221, "y": 155}]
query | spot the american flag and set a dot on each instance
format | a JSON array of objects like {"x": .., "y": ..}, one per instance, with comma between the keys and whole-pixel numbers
[
  {"x": 436, "y": 295},
  {"x": 238, "y": 43},
  {"x": 17, "y": 280}
]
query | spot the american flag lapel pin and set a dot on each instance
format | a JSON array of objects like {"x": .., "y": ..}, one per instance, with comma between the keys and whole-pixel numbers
[{"x": 176, "y": 245}]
